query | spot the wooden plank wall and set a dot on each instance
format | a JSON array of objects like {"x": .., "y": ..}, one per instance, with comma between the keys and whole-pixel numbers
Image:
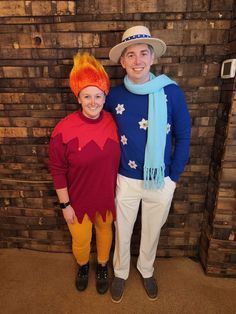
[
  {"x": 218, "y": 240},
  {"x": 38, "y": 41}
]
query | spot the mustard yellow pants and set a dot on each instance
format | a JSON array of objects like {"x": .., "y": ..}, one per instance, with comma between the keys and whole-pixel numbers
[{"x": 82, "y": 234}]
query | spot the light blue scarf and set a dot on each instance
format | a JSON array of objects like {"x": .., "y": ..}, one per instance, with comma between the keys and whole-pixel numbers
[{"x": 154, "y": 166}]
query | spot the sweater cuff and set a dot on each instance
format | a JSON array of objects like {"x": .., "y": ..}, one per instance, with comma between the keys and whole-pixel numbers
[{"x": 174, "y": 176}]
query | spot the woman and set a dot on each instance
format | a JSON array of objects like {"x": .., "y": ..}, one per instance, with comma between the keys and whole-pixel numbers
[{"x": 84, "y": 156}]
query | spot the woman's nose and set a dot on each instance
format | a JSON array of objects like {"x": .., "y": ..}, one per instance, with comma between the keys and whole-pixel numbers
[{"x": 92, "y": 101}]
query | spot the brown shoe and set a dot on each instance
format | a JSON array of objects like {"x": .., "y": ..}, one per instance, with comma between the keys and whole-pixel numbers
[
  {"x": 117, "y": 289},
  {"x": 150, "y": 287}
]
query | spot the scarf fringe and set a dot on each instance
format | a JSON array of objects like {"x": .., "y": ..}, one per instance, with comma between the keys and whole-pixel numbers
[{"x": 154, "y": 178}]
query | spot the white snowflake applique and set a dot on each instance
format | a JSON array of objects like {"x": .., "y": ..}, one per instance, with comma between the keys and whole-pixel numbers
[
  {"x": 166, "y": 97},
  {"x": 143, "y": 124},
  {"x": 120, "y": 108},
  {"x": 168, "y": 126},
  {"x": 132, "y": 164},
  {"x": 123, "y": 139}
]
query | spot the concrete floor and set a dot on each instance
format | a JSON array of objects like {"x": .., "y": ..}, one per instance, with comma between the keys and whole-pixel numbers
[{"x": 36, "y": 283}]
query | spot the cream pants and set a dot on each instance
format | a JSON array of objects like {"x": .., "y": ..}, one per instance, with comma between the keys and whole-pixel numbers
[{"x": 155, "y": 209}]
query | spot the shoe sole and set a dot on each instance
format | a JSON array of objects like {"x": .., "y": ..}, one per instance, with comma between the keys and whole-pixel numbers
[
  {"x": 81, "y": 290},
  {"x": 152, "y": 299},
  {"x": 117, "y": 301},
  {"x": 102, "y": 292}
]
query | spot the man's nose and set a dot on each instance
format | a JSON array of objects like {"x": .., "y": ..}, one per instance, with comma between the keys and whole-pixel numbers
[{"x": 137, "y": 59}]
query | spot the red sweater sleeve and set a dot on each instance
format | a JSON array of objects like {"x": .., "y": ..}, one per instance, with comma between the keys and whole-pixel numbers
[{"x": 57, "y": 162}]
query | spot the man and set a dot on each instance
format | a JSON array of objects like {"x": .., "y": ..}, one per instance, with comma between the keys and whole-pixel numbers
[{"x": 150, "y": 111}]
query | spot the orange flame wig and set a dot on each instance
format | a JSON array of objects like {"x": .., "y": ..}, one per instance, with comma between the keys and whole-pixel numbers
[{"x": 87, "y": 71}]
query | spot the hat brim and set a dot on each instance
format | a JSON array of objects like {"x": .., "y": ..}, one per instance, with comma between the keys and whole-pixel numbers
[{"x": 158, "y": 45}]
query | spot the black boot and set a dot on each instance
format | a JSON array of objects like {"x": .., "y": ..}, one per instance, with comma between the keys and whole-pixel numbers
[
  {"x": 82, "y": 277},
  {"x": 102, "y": 283}
]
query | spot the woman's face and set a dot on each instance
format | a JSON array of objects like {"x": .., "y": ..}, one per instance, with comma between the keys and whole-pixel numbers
[{"x": 92, "y": 100}]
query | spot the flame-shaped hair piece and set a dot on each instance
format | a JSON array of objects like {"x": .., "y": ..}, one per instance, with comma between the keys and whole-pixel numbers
[{"x": 87, "y": 71}]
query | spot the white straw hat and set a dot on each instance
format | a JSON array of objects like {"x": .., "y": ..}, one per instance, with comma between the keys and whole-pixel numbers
[{"x": 137, "y": 35}]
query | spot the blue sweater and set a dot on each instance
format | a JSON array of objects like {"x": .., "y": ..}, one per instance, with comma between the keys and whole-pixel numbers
[{"x": 130, "y": 111}]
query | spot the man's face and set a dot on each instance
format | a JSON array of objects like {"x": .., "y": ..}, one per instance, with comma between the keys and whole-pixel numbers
[{"x": 137, "y": 60}]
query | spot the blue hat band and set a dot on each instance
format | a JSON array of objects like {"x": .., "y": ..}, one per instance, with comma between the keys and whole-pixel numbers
[{"x": 136, "y": 37}]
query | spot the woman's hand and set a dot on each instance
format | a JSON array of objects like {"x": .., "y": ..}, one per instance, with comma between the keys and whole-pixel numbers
[{"x": 69, "y": 214}]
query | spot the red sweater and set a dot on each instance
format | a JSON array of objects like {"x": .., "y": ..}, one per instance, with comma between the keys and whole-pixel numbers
[{"x": 84, "y": 156}]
